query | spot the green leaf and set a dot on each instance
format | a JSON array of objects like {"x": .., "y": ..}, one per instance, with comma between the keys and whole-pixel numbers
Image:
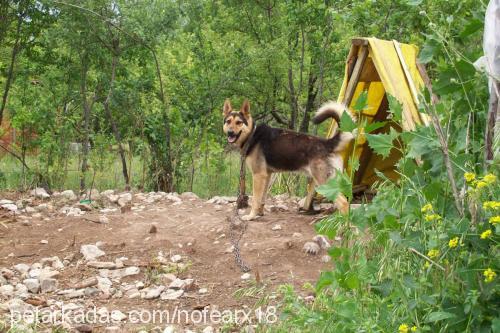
[
  {"x": 325, "y": 280},
  {"x": 395, "y": 108},
  {"x": 430, "y": 49},
  {"x": 352, "y": 280},
  {"x": 341, "y": 183},
  {"x": 382, "y": 143},
  {"x": 439, "y": 315},
  {"x": 471, "y": 27},
  {"x": 337, "y": 252},
  {"x": 346, "y": 123},
  {"x": 374, "y": 126},
  {"x": 361, "y": 102},
  {"x": 414, "y": 2}
]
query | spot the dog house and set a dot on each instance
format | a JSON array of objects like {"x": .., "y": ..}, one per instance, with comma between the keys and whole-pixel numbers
[{"x": 379, "y": 67}]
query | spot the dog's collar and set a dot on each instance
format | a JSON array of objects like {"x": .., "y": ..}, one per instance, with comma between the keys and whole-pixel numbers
[{"x": 246, "y": 144}]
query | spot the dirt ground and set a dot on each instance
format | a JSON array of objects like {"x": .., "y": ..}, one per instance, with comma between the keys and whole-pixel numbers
[{"x": 192, "y": 228}]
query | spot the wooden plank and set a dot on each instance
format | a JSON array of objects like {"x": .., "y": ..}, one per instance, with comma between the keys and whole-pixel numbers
[
  {"x": 359, "y": 42},
  {"x": 349, "y": 93},
  {"x": 367, "y": 153}
]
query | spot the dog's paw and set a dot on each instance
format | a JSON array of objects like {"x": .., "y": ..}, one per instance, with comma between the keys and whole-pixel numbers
[
  {"x": 249, "y": 217},
  {"x": 311, "y": 248},
  {"x": 322, "y": 241}
]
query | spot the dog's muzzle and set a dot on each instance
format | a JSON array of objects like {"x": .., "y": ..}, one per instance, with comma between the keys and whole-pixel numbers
[{"x": 232, "y": 137}]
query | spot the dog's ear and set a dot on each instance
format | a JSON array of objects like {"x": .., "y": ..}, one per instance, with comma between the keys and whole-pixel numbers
[
  {"x": 227, "y": 107},
  {"x": 245, "y": 108}
]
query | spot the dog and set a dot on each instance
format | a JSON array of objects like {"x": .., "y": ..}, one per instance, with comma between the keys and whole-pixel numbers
[{"x": 268, "y": 150}]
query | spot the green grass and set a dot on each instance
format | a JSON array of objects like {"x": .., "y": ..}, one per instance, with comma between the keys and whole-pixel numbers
[{"x": 212, "y": 176}]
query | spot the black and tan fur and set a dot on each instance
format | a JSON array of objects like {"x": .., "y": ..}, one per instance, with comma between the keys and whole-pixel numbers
[{"x": 270, "y": 150}]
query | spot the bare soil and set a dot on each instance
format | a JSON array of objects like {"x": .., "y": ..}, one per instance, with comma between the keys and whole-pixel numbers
[{"x": 195, "y": 229}]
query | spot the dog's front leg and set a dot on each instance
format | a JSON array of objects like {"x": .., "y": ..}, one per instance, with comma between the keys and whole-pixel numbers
[{"x": 260, "y": 183}]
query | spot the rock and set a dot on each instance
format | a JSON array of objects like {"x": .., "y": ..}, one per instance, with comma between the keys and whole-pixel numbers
[
  {"x": 152, "y": 292},
  {"x": 119, "y": 273},
  {"x": 91, "y": 252},
  {"x": 326, "y": 258},
  {"x": 84, "y": 328},
  {"x": 181, "y": 284},
  {"x": 117, "y": 315},
  {"x": 7, "y": 291},
  {"x": 297, "y": 235},
  {"x": 189, "y": 196},
  {"x": 53, "y": 262},
  {"x": 29, "y": 210},
  {"x": 33, "y": 285},
  {"x": 44, "y": 207},
  {"x": 176, "y": 258},
  {"x": 104, "y": 284},
  {"x": 221, "y": 200},
  {"x": 68, "y": 195},
  {"x": 208, "y": 329},
  {"x": 40, "y": 193},
  {"x": 102, "y": 264},
  {"x": 153, "y": 229},
  {"x": 91, "y": 292},
  {"x": 93, "y": 194},
  {"x": 10, "y": 206},
  {"x": 322, "y": 241},
  {"x": 276, "y": 227},
  {"x": 48, "y": 285},
  {"x": 22, "y": 268},
  {"x": 103, "y": 219},
  {"x": 112, "y": 329},
  {"x": 3, "y": 281},
  {"x": 171, "y": 294},
  {"x": 168, "y": 278},
  {"x": 84, "y": 207},
  {"x": 245, "y": 276},
  {"x": 124, "y": 199},
  {"x": 203, "y": 291},
  {"x": 89, "y": 282},
  {"x": 7, "y": 273},
  {"x": 6, "y": 202},
  {"x": 71, "y": 211},
  {"x": 107, "y": 193},
  {"x": 44, "y": 241},
  {"x": 169, "y": 329},
  {"x": 311, "y": 248}
]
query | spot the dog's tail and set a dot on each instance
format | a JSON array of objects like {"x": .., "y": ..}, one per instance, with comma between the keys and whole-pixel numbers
[
  {"x": 331, "y": 110},
  {"x": 334, "y": 110}
]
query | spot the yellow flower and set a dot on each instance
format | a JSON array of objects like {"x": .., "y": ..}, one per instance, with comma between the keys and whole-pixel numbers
[
  {"x": 489, "y": 275},
  {"x": 453, "y": 243},
  {"x": 432, "y": 217},
  {"x": 495, "y": 219},
  {"x": 433, "y": 253},
  {"x": 414, "y": 328},
  {"x": 427, "y": 264},
  {"x": 469, "y": 176},
  {"x": 426, "y": 208},
  {"x": 491, "y": 205},
  {"x": 481, "y": 184},
  {"x": 486, "y": 234},
  {"x": 490, "y": 178},
  {"x": 403, "y": 328}
]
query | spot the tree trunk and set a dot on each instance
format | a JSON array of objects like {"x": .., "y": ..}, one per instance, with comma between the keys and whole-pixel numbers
[
  {"x": 311, "y": 96},
  {"x": 10, "y": 74},
  {"x": 114, "y": 126},
  {"x": 86, "y": 107}
]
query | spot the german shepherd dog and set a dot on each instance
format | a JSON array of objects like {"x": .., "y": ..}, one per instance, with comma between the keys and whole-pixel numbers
[{"x": 268, "y": 150}]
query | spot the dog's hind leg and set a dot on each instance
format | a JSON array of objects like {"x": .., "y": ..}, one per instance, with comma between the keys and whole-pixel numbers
[
  {"x": 321, "y": 171},
  {"x": 260, "y": 184}
]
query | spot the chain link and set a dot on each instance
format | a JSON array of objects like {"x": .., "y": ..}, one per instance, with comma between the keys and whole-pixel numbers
[{"x": 235, "y": 222}]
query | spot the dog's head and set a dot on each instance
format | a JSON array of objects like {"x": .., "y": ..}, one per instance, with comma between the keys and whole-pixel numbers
[{"x": 238, "y": 125}]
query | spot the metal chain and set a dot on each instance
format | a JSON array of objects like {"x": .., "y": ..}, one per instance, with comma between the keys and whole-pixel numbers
[{"x": 235, "y": 222}]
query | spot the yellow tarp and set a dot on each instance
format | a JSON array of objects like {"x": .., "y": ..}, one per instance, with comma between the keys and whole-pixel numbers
[{"x": 383, "y": 73}]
